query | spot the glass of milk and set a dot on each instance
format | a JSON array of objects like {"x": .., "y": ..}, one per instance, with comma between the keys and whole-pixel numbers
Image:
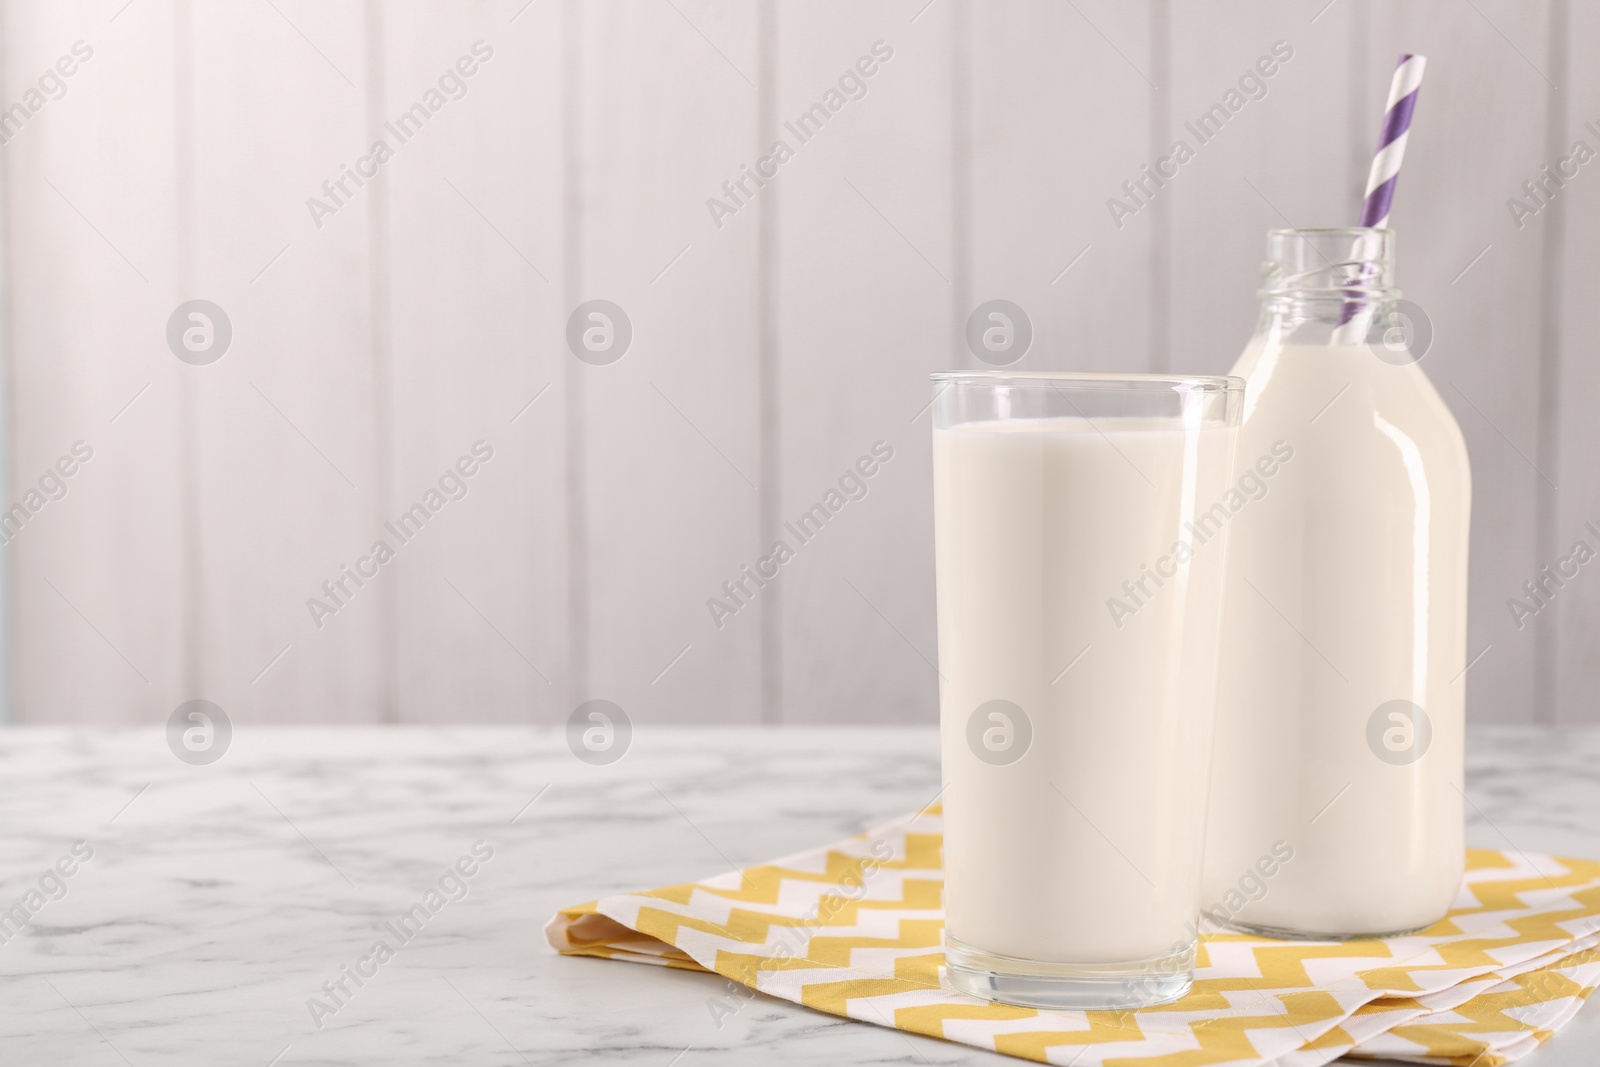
[{"x": 1080, "y": 575}]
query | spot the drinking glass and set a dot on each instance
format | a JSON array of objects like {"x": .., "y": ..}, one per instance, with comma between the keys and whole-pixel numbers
[{"x": 1080, "y": 525}]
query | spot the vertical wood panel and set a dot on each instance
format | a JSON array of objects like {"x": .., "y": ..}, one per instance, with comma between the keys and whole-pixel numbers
[
  {"x": 1575, "y": 615},
  {"x": 285, "y": 462},
  {"x": 769, "y": 378},
  {"x": 1282, "y": 160},
  {"x": 1047, "y": 155},
  {"x": 867, "y": 258},
  {"x": 97, "y": 576},
  {"x": 475, "y": 256},
  {"x": 1487, "y": 323},
  {"x": 669, "y": 435}
]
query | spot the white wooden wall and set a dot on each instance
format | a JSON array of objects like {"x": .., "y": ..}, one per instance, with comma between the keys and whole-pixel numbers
[{"x": 768, "y": 353}]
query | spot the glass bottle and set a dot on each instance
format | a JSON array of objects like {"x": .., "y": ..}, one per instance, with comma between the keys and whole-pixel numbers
[{"x": 1336, "y": 808}]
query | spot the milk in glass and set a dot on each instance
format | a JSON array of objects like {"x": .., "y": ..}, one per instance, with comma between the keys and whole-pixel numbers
[{"x": 1078, "y": 607}]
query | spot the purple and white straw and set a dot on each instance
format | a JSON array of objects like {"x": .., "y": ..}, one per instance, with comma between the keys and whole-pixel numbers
[
  {"x": 1355, "y": 317},
  {"x": 1392, "y": 142}
]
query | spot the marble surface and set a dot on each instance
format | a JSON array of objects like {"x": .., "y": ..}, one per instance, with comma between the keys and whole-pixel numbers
[{"x": 220, "y": 898}]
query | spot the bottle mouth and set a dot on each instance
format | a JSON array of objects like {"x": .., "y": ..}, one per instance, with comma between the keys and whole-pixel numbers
[{"x": 1350, "y": 263}]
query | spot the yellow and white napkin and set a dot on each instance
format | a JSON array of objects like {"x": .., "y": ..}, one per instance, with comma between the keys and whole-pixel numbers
[{"x": 854, "y": 930}]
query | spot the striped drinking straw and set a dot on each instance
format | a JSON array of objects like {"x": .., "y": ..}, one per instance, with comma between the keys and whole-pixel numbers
[
  {"x": 1355, "y": 317},
  {"x": 1392, "y": 142}
]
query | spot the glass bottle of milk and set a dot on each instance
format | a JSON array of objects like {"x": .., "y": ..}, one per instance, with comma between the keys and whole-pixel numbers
[{"x": 1336, "y": 806}]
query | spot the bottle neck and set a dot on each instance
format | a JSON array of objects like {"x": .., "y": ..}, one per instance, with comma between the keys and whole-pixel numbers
[
  {"x": 1327, "y": 287},
  {"x": 1325, "y": 317}
]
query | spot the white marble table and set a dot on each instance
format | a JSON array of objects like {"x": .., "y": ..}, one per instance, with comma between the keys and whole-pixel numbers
[{"x": 220, "y": 898}]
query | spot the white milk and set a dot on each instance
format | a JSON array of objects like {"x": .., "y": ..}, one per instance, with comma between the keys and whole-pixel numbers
[
  {"x": 1347, "y": 589},
  {"x": 1087, "y": 848}
]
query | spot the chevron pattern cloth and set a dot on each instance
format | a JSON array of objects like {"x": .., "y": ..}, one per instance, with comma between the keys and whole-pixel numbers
[{"x": 854, "y": 930}]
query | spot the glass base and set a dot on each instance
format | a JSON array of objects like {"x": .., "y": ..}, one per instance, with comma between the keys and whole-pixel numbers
[
  {"x": 1068, "y": 986},
  {"x": 1278, "y": 933}
]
